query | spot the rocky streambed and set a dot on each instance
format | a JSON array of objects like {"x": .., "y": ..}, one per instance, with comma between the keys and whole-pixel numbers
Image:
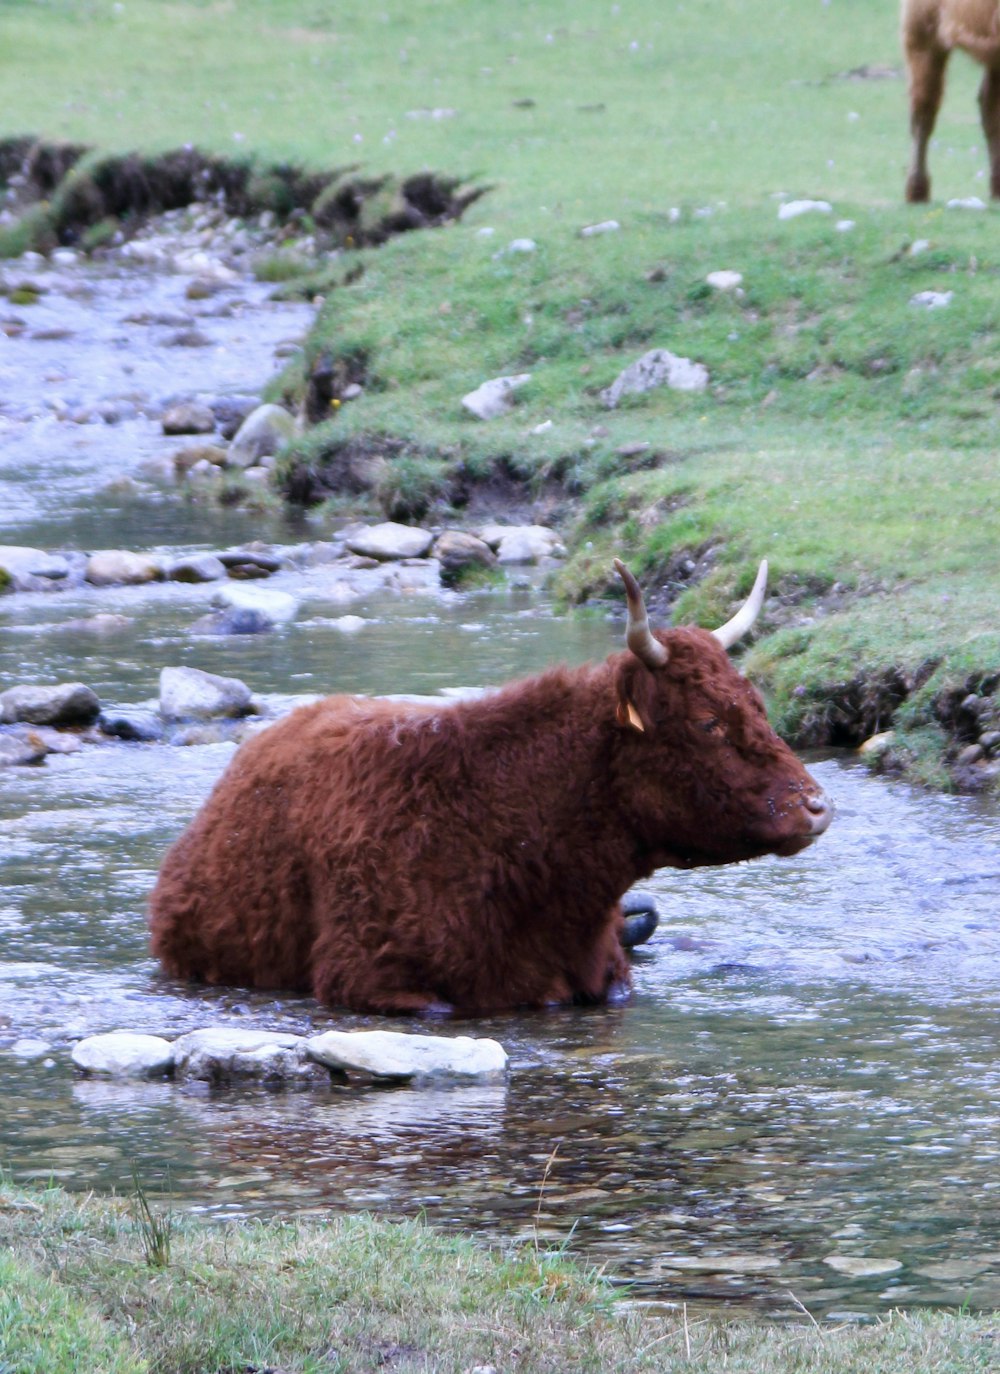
[{"x": 801, "y": 1094}]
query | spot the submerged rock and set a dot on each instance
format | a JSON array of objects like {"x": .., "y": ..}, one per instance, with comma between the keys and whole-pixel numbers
[
  {"x": 190, "y": 694},
  {"x": 19, "y": 751},
  {"x": 394, "y": 1054}
]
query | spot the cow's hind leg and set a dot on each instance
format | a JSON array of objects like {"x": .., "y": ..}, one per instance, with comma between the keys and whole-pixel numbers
[
  {"x": 989, "y": 110},
  {"x": 927, "y": 65}
]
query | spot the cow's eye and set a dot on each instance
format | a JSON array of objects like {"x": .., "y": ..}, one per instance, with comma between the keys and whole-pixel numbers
[{"x": 711, "y": 726}]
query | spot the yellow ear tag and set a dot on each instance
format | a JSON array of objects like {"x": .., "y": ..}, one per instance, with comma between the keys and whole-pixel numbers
[{"x": 628, "y": 715}]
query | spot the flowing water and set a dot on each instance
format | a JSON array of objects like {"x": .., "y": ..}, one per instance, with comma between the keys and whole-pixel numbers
[{"x": 805, "y": 1071}]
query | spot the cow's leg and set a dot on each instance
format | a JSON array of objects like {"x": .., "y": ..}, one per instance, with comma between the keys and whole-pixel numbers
[
  {"x": 926, "y": 66},
  {"x": 989, "y": 110}
]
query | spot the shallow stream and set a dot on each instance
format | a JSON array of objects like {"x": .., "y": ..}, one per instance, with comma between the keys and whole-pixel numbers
[{"x": 806, "y": 1070}]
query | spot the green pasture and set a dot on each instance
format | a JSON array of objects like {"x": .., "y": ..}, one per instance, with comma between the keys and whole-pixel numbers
[{"x": 847, "y": 434}]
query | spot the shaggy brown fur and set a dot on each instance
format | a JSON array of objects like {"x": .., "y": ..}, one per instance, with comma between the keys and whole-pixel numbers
[
  {"x": 931, "y": 29},
  {"x": 401, "y": 858}
]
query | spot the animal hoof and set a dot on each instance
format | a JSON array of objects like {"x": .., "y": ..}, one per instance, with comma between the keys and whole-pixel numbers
[{"x": 641, "y": 919}]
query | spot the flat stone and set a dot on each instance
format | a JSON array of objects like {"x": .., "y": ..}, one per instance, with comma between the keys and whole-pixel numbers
[
  {"x": 274, "y": 606},
  {"x": 720, "y": 1264},
  {"x": 522, "y": 544},
  {"x": 494, "y": 397},
  {"x": 190, "y": 694},
  {"x": 932, "y": 300},
  {"x": 222, "y": 1054},
  {"x": 658, "y": 367},
  {"x": 117, "y": 567},
  {"x": 390, "y": 541},
  {"x": 66, "y": 703},
  {"x": 395, "y": 1054},
  {"x": 124, "y": 1054},
  {"x": 725, "y": 280},
  {"x": 860, "y": 1267}
]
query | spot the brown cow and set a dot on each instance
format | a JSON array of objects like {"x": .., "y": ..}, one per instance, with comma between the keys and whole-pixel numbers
[
  {"x": 931, "y": 29},
  {"x": 471, "y": 857}
]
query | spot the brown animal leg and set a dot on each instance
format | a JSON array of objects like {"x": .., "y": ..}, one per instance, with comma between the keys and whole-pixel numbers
[
  {"x": 989, "y": 110},
  {"x": 926, "y": 89}
]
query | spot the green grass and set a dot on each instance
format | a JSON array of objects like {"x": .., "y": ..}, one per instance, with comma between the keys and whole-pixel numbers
[
  {"x": 846, "y": 434},
  {"x": 354, "y": 1294}
]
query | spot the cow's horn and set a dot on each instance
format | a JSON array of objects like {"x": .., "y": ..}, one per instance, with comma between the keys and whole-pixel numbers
[
  {"x": 638, "y": 635},
  {"x": 735, "y": 629}
]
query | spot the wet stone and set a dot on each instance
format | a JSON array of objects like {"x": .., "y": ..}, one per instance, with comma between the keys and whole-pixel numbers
[
  {"x": 144, "y": 727},
  {"x": 66, "y": 703},
  {"x": 188, "y": 418},
  {"x": 117, "y": 567},
  {"x": 18, "y": 751},
  {"x": 190, "y": 694},
  {"x": 394, "y": 1054},
  {"x": 124, "y": 1054},
  {"x": 202, "y": 567}
]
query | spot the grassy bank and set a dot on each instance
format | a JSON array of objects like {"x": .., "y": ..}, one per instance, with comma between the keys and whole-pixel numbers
[
  {"x": 846, "y": 433},
  {"x": 80, "y": 1288}
]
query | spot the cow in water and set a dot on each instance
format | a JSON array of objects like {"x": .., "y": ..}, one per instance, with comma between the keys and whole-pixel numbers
[
  {"x": 471, "y": 857},
  {"x": 931, "y": 30}
]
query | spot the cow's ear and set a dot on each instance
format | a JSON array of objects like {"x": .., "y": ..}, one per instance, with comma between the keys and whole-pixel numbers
[{"x": 628, "y": 715}]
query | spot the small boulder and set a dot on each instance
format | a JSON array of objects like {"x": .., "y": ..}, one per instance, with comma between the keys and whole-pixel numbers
[
  {"x": 190, "y": 694},
  {"x": 265, "y": 430},
  {"x": 724, "y": 280},
  {"x": 197, "y": 567},
  {"x": 494, "y": 397},
  {"x": 522, "y": 544},
  {"x": 458, "y": 553},
  {"x": 250, "y": 563},
  {"x": 66, "y": 703},
  {"x": 116, "y": 567},
  {"x": 276, "y": 607},
  {"x": 389, "y": 541},
  {"x": 234, "y": 621},
  {"x": 124, "y": 1054},
  {"x": 188, "y": 417},
  {"x": 186, "y": 459},
  {"x": 26, "y": 569},
  {"x": 659, "y": 367},
  {"x": 133, "y": 724},
  {"x": 222, "y": 1054},
  {"x": 394, "y": 1054}
]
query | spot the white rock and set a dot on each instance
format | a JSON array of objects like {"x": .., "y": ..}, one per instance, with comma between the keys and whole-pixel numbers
[
  {"x": 606, "y": 226},
  {"x": 20, "y": 563},
  {"x": 844, "y": 226},
  {"x": 29, "y": 1048},
  {"x": 932, "y": 300},
  {"x": 919, "y": 246},
  {"x": 967, "y": 203},
  {"x": 542, "y": 428},
  {"x": 349, "y": 624},
  {"x": 190, "y": 694},
  {"x": 877, "y": 745},
  {"x": 725, "y": 280},
  {"x": 858, "y": 1267},
  {"x": 494, "y": 397},
  {"x": 278, "y": 607},
  {"x": 793, "y": 208},
  {"x": 124, "y": 1054},
  {"x": 522, "y": 246},
  {"x": 394, "y": 1054},
  {"x": 263, "y": 432},
  {"x": 219, "y": 1054},
  {"x": 658, "y": 367},
  {"x": 111, "y": 567},
  {"x": 390, "y": 540}
]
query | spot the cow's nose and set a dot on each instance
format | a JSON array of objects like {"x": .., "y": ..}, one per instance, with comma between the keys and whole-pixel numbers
[{"x": 820, "y": 809}]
